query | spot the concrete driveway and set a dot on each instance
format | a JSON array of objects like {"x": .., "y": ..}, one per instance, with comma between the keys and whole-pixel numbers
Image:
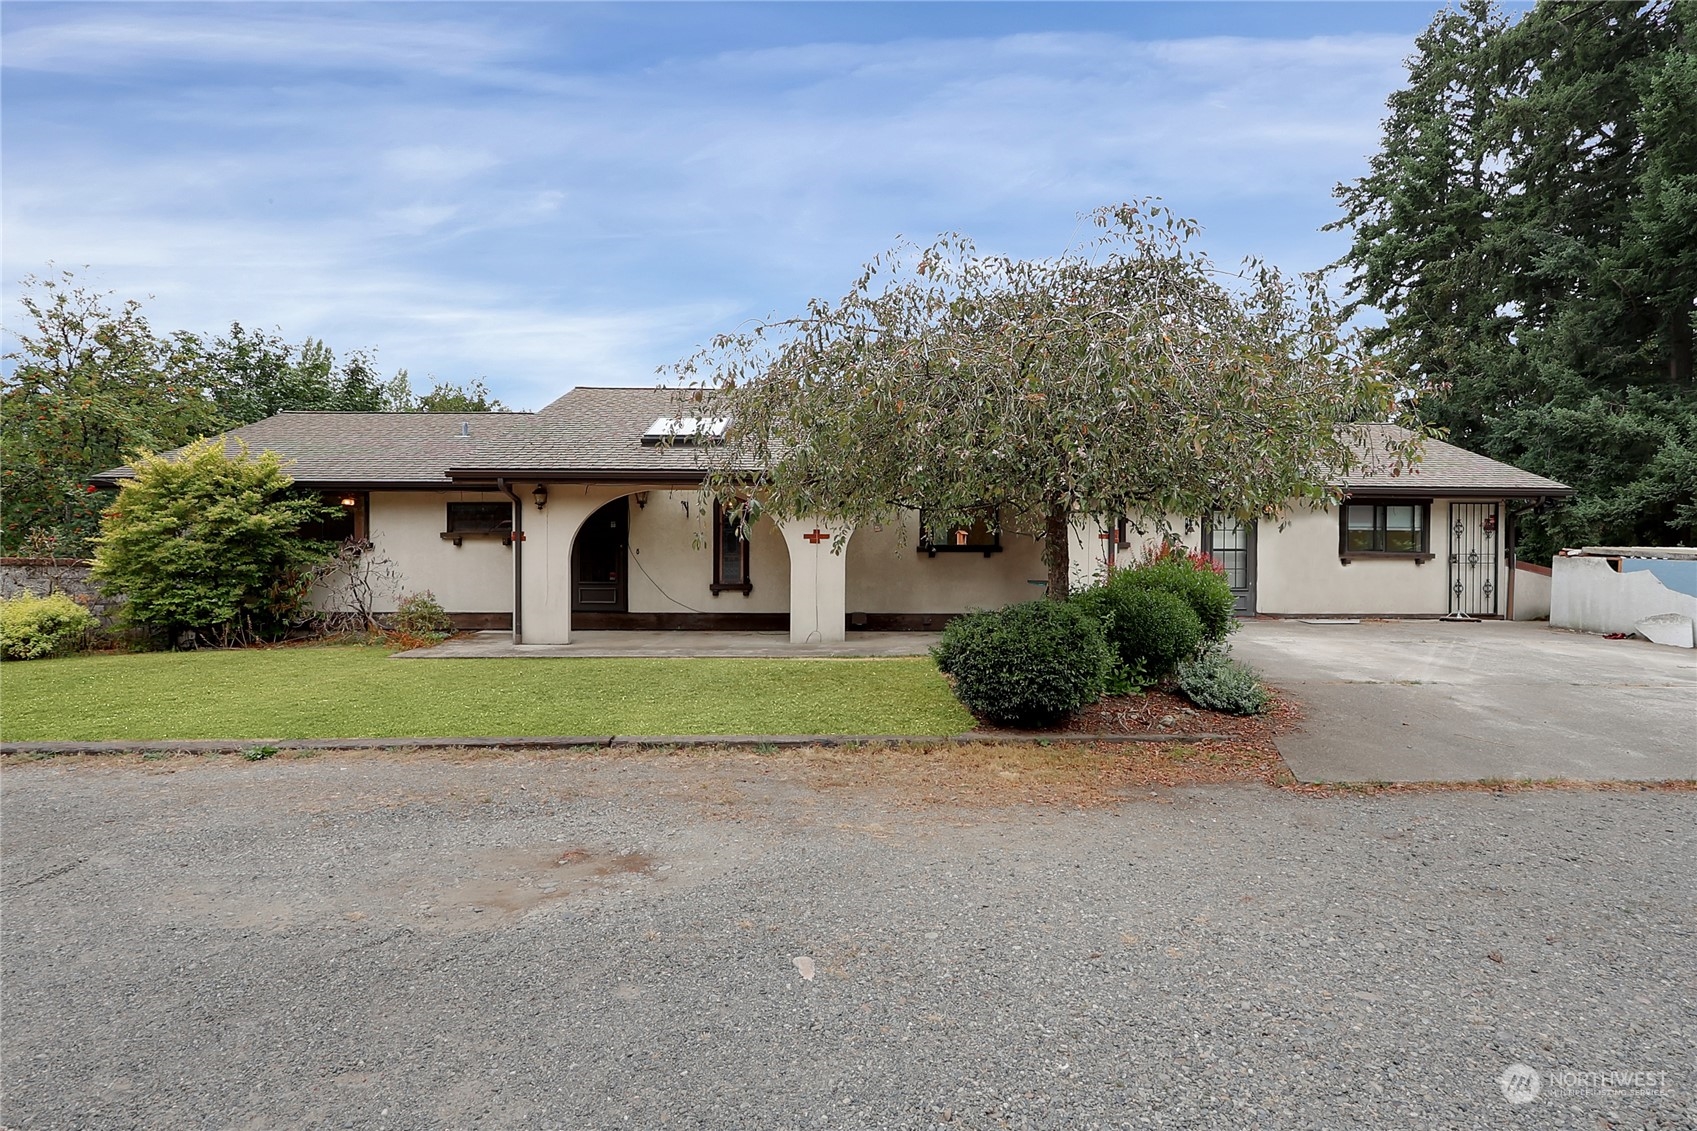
[{"x": 1444, "y": 701}]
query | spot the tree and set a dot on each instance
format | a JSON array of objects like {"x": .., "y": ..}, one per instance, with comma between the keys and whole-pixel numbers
[
  {"x": 1526, "y": 231},
  {"x": 89, "y": 385},
  {"x": 210, "y": 542},
  {"x": 1121, "y": 378}
]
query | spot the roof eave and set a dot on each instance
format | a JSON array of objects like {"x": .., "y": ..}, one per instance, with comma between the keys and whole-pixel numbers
[
  {"x": 576, "y": 474},
  {"x": 1439, "y": 491}
]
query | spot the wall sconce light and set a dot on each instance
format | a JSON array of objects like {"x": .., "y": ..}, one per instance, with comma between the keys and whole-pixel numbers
[
  {"x": 641, "y": 499},
  {"x": 349, "y": 500},
  {"x": 540, "y": 495}
]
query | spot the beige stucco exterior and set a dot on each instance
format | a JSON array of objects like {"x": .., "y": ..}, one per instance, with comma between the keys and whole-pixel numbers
[
  {"x": 406, "y": 528},
  {"x": 671, "y": 566},
  {"x": 879, "y": 572}
]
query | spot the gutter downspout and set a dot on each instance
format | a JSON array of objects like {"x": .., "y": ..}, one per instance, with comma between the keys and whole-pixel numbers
[{"x": 518, "y": 560}]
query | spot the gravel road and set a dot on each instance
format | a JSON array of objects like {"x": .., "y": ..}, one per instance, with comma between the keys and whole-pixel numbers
[{"x": 714, "y": 942}]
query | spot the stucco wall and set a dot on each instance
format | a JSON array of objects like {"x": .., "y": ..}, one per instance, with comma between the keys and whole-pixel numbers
[
  {"x": 888, "y": 575},
  {"x": 669, "y": 573},
  {"x": 1531, "y": 592},
  {"x": 406, "y": 527},
  {"x": 1587, "y": 594},
  {"x": 1298, "y": 571}
]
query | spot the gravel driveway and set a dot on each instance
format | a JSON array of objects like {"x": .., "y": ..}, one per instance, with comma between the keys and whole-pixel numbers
[{"x": 710, "y": 941}]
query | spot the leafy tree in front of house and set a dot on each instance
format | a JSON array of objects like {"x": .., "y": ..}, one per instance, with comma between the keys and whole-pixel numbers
[
  {"x": 1127, "y": 377},
  {"x": 209, "y": 542},
  {"x": 1526, "y": 229}
]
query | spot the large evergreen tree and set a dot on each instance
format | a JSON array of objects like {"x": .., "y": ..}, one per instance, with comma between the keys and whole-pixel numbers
[{"x": 1526, "y": 230}]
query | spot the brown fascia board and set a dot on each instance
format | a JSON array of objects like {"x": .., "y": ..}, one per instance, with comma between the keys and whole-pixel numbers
[
  {"x": 573, "y": 475},
  {"x": 1428, "y": 491}
]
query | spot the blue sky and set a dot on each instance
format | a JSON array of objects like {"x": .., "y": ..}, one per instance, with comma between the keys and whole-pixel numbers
[{"x": 546, "y": 195}]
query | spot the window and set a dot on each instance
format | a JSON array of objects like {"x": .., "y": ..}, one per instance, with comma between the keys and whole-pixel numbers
[
  {"x": 730, "y": 550},
  {"x": 1383, "y": 528},
  {"x": 471, "y": 520},
  {"x": 983, "y": 536},
  {"x": 480, "y": 518},
  {"x": 346, "y": 520}
]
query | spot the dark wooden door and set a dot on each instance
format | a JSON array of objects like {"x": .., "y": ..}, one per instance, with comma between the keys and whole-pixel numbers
[
  {"x": 1232, "y": 544},
  {"x": 599, "y": 558}
]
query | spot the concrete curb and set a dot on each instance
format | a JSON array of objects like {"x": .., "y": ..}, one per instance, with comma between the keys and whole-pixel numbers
[{"x": 557, "y": 742}]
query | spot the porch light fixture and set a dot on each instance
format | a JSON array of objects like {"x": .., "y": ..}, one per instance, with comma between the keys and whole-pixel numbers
[
  {"x": 348, "y": 501},
  {"x": 641, "y": 499},
  {"x": 540, "y": 495}
]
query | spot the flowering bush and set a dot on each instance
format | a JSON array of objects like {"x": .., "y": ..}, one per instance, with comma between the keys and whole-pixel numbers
[{"x": 32, "y": 627}]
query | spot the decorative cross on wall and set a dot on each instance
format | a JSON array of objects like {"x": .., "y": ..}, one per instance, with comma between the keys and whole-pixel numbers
[{"x": 817, "y": 536}]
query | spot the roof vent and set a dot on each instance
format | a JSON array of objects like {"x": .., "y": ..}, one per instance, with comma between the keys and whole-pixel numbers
[
  {"x": 465, "y": 429},
  {"x": 681, "y": 430}
]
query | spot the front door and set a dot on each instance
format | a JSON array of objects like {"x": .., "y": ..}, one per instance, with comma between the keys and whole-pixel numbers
[
  {"x": 1475, "y": 549},
  {"x": 1232, "y": 546},
  {"x": 598, "y": 560}
]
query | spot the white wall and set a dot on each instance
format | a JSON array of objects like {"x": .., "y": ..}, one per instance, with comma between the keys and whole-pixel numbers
[
  {"x": 670, "y": 573},
  {"x": 886, "y": 575},
  {"x": 1298, "y": 570},
  {"x": 1531, "y": 594},
  {"x": 1587, "y": 594},
  {"x": 406, "y": 527}
]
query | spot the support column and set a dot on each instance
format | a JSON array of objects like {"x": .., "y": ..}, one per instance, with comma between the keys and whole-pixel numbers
[
  {"x": 549, "y": 534},
  {"x": 818, "y": 580}
]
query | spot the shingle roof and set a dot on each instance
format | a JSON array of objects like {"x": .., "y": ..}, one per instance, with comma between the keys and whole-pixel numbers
[
  {"x": 1442, "y": 469},
  {"x": 589, "y": 430},
  {"x": 368, "y": 447},
  {"x": 592, "y": 431}
]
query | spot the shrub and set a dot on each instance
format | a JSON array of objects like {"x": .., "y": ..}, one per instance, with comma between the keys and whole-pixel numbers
[
  {"x": 1151, "y": 630},
  {"x": 1215, "y": 681},
  {"x": 209, "y": 541},
  {"x": 32, "y": 627},
  {"x": 421, "y": 615},
  {"x": 1029, "y": 664},
  {"x": 1196, "y": 578}
]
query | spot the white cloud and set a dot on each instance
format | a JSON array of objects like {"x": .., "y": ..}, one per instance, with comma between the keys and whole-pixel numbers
[{"x": 587, "y": 227}]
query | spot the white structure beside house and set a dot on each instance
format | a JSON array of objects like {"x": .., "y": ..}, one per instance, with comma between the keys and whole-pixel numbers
[{"x": 568, "y": 519}]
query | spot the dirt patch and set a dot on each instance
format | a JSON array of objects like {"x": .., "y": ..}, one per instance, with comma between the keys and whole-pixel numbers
[{"x": 514, "y": 881}]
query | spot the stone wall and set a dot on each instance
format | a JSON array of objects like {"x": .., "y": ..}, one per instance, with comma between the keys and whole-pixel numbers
[{"x": 43, "y": 576}]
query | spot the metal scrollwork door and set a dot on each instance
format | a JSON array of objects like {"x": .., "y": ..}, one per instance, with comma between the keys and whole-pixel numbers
[{"x": 1475, "y": 550}]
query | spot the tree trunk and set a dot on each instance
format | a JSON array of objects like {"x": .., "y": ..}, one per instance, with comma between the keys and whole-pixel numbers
[{"x": 1057, "y": 549}]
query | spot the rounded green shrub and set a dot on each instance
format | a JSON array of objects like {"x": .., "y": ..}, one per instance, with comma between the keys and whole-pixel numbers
[
  {"x": 1152, "y": 629},
  {"x": 32, "y": 627},
  {"x": 1030, "y": 664},
  {"x": 1192, "y": 577},
  {"x": 1215, "y": 681}
]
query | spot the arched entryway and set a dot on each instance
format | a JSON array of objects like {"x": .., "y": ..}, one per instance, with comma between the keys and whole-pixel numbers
[{"x": 600, "y": 553}]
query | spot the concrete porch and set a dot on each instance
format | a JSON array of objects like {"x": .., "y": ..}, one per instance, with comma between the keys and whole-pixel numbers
[{"x": 768, "y": 645}]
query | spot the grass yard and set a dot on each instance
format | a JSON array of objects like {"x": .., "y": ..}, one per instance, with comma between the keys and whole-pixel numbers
[{"x": 355, "y": 691}]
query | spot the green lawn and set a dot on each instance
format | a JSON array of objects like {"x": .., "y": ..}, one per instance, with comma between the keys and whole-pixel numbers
[{"x": 359, "y": 692}]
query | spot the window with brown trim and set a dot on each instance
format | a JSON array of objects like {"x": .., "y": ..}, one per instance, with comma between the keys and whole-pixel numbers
[
  {"x": 1388, "y": 528},
  {"x": 983, "y": 536},
  {"x": 480, "y": 518},
  {"x": 730, "y": 550}
]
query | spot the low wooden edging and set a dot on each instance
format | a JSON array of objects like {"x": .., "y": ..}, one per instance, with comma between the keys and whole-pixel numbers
[{"x": 557, "y": 742}]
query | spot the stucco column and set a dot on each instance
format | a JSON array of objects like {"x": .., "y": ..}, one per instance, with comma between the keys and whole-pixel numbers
[
  {"x": 549, "y": 534},
  {"x": 818, "y": 580}
]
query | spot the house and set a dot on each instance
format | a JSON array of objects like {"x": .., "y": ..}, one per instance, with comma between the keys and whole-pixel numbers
[{"x": 587, "y": 515}]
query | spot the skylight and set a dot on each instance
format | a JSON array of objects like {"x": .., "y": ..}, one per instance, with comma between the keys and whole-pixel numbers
[{"x": 684, "y": 430}]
